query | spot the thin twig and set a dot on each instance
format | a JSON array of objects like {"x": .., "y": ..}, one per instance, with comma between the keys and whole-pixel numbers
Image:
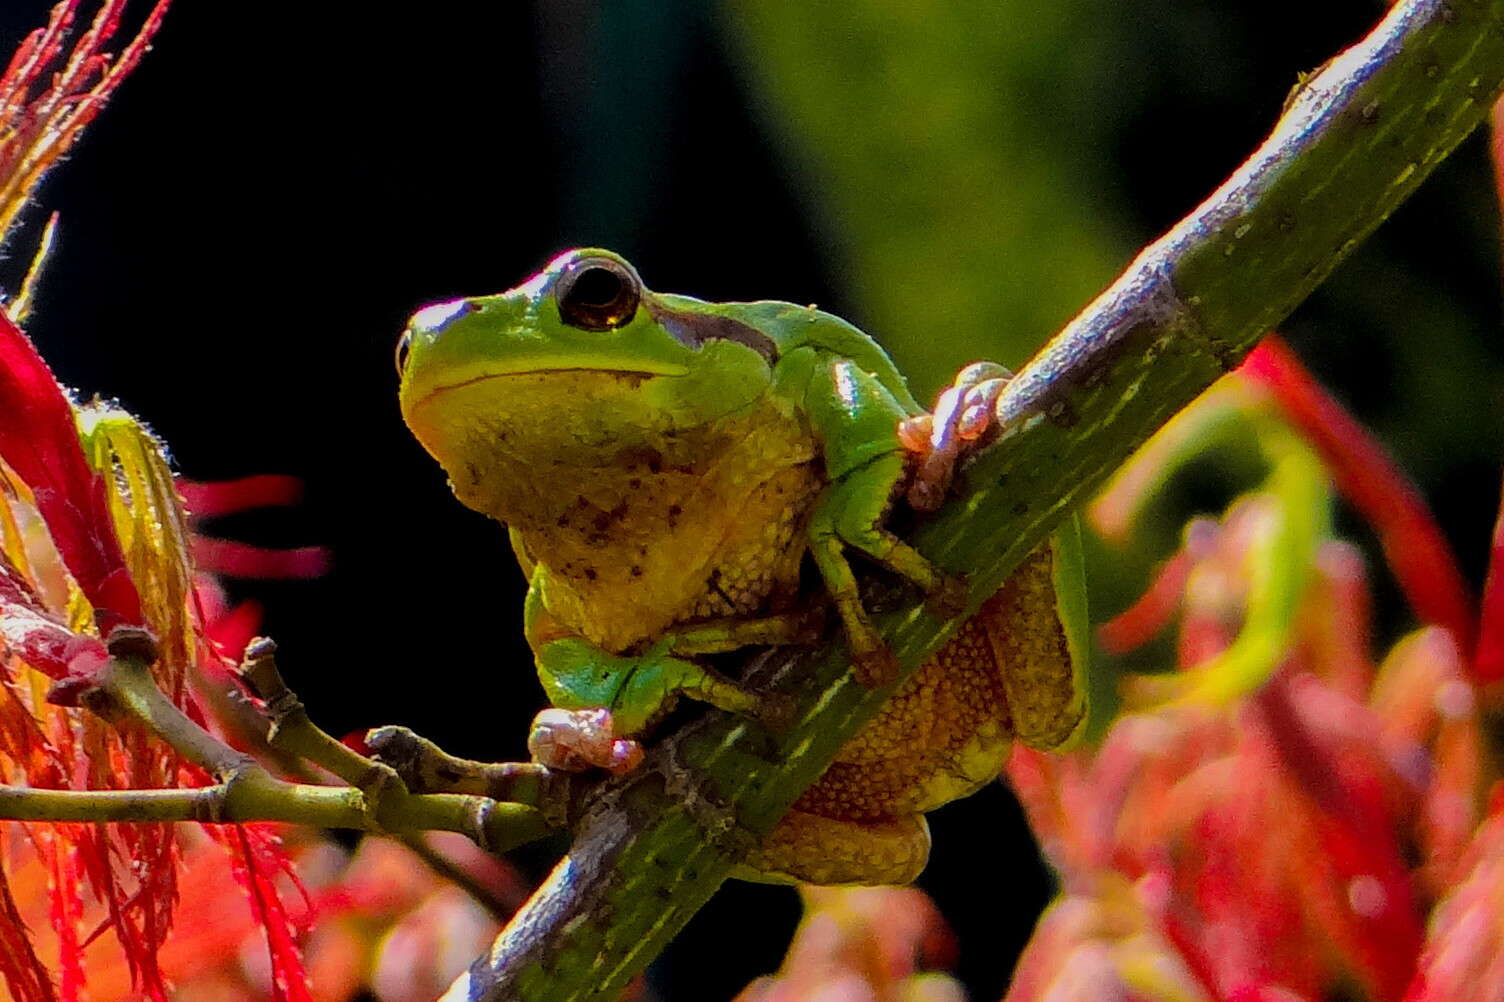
[
  {"x": 442, "y": 867},
  {"x": 293, "y": 732},
  {"x": 375, "y": 801}
]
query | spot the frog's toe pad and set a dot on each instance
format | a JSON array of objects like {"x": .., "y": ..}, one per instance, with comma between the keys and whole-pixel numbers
[
  {"x": 964, "y": 413},
  {"x": 820, "y": 850},
  {"x": 914, "y": 433},
  {"x": 576, "y": 740}
]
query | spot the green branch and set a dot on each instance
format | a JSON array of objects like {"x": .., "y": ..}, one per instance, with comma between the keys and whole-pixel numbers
[
  {"x": 251, "y": 794},
  {"x": 652, "y": 847},
  {"x": 376, "y": 799}
]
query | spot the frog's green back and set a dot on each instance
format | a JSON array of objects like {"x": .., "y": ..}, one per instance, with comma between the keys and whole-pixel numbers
[{"x": 792, "y": 326}]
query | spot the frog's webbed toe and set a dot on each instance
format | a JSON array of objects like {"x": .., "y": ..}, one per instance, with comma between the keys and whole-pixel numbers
[{"x": 819, "y": 850}]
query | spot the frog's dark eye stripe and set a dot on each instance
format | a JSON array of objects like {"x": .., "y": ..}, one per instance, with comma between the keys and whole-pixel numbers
[
  {"x": 597, "y": 294},
  {"x": 694, "y": 329}
]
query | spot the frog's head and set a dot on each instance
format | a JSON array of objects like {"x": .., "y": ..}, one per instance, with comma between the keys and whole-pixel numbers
[{"x": 578, "y": 366}]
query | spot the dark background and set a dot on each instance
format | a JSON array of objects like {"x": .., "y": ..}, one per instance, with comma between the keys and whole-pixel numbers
[{"x": 245, "y": 230}]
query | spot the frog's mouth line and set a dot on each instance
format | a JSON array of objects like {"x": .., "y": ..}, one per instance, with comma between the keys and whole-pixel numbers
[{"x": 634, "y": 375}]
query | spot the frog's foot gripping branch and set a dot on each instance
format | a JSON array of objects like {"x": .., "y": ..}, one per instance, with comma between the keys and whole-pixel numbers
[
  {"x": 593, "y": 726},
  {"x": 576, "y": 740},
  {"x": 964, "y": 412},
  {"x": 635, "y": 691}
]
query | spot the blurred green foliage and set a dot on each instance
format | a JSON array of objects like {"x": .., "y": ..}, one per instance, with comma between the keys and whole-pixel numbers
[
  {"x": 927, "y": 138},
  {"x": 982, "y": 169}
]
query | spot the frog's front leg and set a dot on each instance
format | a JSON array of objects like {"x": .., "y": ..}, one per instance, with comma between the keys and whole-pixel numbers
[
  {"x": 866, "y": 463},
  {"x": 850, "y": 513},
  {"x": 602, "y": 702}
]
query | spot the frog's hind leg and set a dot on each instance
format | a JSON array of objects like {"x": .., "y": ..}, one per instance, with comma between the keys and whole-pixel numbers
[
  {"x": 819, "y": 850},
  {"x": 1042, "y": 644}
]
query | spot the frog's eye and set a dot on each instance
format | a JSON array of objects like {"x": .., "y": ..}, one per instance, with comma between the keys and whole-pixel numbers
[
  {"x": 598, "y": 294},
  {"x": 404, "y": 348}
]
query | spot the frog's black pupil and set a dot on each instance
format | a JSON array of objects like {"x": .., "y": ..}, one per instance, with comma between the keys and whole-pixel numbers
[{"x": 596, "y": 287}]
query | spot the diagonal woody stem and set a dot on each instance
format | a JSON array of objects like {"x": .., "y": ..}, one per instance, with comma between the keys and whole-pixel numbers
[{"x": 1354, "y": 142}]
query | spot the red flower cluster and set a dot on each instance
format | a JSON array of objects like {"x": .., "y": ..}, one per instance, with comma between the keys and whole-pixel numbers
[
  {"x": 66, "y": 581},
  {"x": 865, "y": 944},
  {"x": 92, "y": 538},
  {"x": 1281, "y": 818}
]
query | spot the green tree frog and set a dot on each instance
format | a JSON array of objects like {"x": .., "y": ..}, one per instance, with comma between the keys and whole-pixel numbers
[{"x": 664, "y": 466}]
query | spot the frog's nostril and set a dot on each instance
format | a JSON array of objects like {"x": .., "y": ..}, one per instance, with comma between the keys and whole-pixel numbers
[{"x": 433, "y": 319}]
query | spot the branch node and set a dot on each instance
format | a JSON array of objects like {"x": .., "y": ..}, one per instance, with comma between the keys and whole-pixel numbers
[
  {"x": 211, "y": 806},
  {"x": 132, "y": 643},
  {"x": 427, "y": 768},
  {"x": 478, "y": 818},
  {"x": 258, "y": 670}
]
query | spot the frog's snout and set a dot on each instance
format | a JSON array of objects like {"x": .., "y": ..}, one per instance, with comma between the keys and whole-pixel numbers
[
  {"x": 432, "y": 320},
  {"x": 427, "y": 325}
]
